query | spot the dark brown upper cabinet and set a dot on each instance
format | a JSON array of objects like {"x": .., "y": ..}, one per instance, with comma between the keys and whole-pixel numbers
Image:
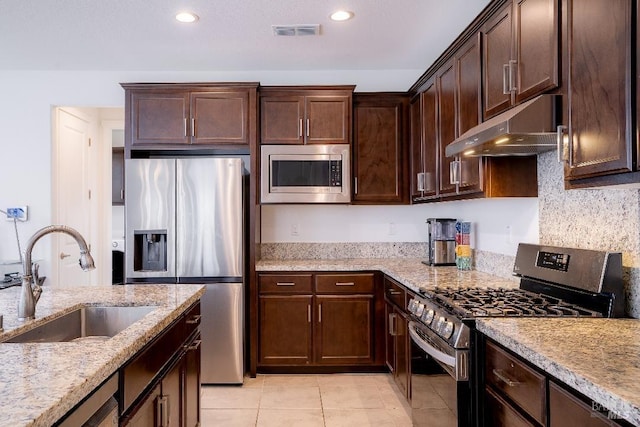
[
  {"x": 180, "y": 115},
  {"x": 381, "y": 125},
  {"x": 306, "y": 115},
  {"x": 424, "y": 144},
  {"x": 520, "y": 53},
  {"x": 599, "y": 138}
]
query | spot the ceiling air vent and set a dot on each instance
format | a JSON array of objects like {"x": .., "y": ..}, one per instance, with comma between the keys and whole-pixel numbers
[{"x": 296, "y": 30}]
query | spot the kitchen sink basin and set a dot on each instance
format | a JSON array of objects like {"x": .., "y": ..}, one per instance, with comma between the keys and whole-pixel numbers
[{"x": 89, "y": 323}]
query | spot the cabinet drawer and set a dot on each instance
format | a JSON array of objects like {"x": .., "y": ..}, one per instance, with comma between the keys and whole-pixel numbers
[
  {"x": 285, "y": 283},
  {"x": 500, "y": 413},
  {"x": 345, "y": 283},
  {"x": 568, "y": 410},
  {"x": 192, "y": 319},
  {"x": 395, "y": 293},
  {"x": 512, "y": 378}
]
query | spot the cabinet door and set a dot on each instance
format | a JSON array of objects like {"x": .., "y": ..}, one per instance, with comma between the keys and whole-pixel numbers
[
  {"x": 446, "y": 84},
  {"x": 430, "y": 149},
  {"x": 599, "y": 90},
  {"x": 402, "y": 346},
  {"x": 468, "y": 100},
  {"x": 147, "y": 413},
  {"x": 117, "y": 176},
  {"x": 536, "y": 38},
  {"x": 172, "y": 406},
  {"x": 344, "y": 330},
  {"x": 328, "y": 120},
  {"x": 379, "y": 149},
  {"x": 496, "y": 45},
  {"x": 159, "y": 117},
  {"x": 566, "y": 410},
  {"x": 417, "y": 158},
  {"x": 285, "y": 330},
  {"x": 191, "y": 394},
  {"x": 390, "y": 338},
  {"x": 220, "y": 118},
  {"x": 282, "y": 119}
]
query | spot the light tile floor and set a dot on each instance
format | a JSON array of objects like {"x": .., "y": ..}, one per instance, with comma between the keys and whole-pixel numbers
[{"x": 333, "y": 400}]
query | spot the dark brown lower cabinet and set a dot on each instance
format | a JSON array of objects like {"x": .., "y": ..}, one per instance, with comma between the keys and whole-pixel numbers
[
  {"x": 319, "y": 320},
  {"x": 517, "y": 394},
  {"x": 344, "y": 330},
  {"x": 285, "y": 330},
  {"x": 160, "y": 386},
  {"x": 398, "y": 346}
]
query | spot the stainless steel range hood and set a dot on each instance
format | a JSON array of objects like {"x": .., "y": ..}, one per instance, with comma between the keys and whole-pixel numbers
[{"x": 524, "y": 130}]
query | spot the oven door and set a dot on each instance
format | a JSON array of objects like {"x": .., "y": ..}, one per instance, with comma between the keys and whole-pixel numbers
[{"x": 440, "y": 386}]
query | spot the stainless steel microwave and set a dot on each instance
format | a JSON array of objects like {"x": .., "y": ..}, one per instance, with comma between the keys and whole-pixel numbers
[{"x": 305, "y": 173}]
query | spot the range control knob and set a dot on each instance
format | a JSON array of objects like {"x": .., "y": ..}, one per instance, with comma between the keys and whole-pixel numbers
[
  {"x": 447, "y": 329},
  {"x": 428, "y": 315},
  {"x": 419, "y": 310}
]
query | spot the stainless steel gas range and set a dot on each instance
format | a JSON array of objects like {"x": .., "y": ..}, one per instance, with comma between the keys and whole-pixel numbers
[{"x": 554, "y": 282}]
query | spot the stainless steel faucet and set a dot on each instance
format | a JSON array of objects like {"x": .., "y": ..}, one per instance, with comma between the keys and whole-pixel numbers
[{"x": 30, "y": 292}]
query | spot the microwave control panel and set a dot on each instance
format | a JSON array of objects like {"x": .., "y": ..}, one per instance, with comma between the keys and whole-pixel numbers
[{"x": 336, "y": 173}]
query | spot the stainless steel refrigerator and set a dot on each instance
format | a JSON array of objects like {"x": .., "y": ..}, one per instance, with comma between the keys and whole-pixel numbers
[{"x": 184, "y": 224}]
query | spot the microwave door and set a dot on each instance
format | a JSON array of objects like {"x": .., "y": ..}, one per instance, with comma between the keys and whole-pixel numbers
[{"x": 308, "y": 174}]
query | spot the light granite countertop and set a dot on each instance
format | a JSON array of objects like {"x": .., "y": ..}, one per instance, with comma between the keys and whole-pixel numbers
[
  {"x": 41, "y": 382},
  {"x": 598, "y": 357},
  {"x": 410, "y": 272}
]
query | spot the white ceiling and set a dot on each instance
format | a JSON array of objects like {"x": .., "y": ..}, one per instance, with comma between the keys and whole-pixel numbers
[{"x": 230, "y": 35}]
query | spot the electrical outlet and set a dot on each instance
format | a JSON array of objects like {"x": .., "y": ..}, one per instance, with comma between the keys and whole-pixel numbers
[
  {"x": 20, "y": 213},
  {"x": 392, "y": 229},
  {"x": 295, "y": 229},
  {"x": 508, "y": 236}
]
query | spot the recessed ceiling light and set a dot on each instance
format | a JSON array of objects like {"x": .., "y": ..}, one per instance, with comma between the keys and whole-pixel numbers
[
  {"x": 341, "y": 15},
  {"x": 187, "y": 17}
]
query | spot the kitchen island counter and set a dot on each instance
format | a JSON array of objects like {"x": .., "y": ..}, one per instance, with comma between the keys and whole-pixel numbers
[
  {"x": 410, "y": 272},
  {"x": 41, "y": 382},
  {"x": 599, "y": 358}
]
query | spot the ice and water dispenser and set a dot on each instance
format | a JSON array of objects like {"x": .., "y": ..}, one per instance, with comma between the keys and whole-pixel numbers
[{"x": 150, "y": 250}]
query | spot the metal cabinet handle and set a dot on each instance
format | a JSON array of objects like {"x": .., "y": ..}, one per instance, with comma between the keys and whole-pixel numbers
[
  {"x": 502, "y": 377},
  {"x": 512, "y": 75},
  {"x": 505, "y": 79},
  {"x": 285, "y": 284},
  {"x": 194, "y": 346},
  {"x": 355, "y": 185},
  {"x": 391, "y": 324},
  {"x": 194, "y": 320},
  {"x": 300, "y": 128},
  {"x": 319, "y": 313},
  {"x": 420, "y": 181},
  {"x": 122, "y": 193},
  {"x": 162, "y": 411},
  {"x": 454, "y": 176},
  {"x": 185, "y": 127},
  {"x": 392, "y": 292},
  {"x": 63, "y": 255},
  {"x": 309, "y": 313},
  {"x": 308, "y": 127},
  {"x": 193, "y": 126},
  {"x": 345, "y": 284},
  {"x": 560, "y": 142}
]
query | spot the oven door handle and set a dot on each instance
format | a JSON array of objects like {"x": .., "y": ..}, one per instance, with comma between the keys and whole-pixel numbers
[{"x": 430, "y": 350}]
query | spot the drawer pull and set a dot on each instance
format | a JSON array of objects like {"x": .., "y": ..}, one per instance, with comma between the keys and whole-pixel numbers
[
  {"x": 392, "y": 292},
  {"x": 502, "y": 377},
  {"x": 285, "y": 284},
  {"x": 193, "y": 346},
  {"x": 345, "y": 284},
  {"x": 194, "y": 320}
]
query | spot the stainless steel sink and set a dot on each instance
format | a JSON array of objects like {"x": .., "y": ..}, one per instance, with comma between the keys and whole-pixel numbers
[{"x": 88, "y": 323}]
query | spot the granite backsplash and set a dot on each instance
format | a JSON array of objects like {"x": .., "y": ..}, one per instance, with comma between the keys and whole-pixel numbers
[
  {"x": 488, "y": 262},
  {"x": 605, "y": 219}
]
